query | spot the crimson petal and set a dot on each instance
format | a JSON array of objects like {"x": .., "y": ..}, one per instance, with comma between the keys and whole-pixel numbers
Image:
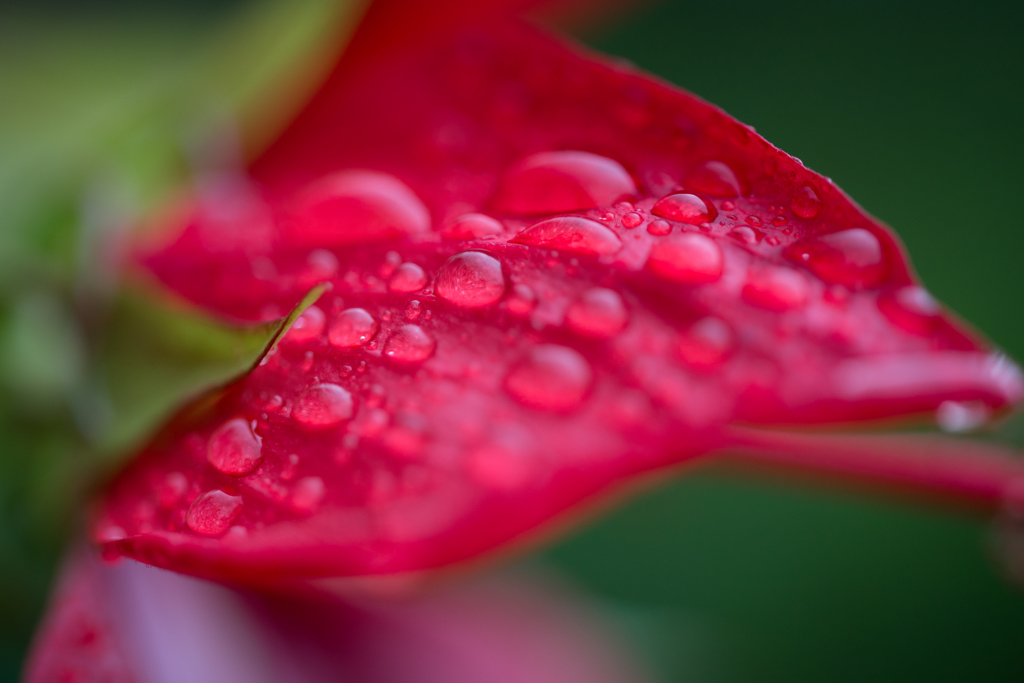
[{"x": 495, "y": 382}]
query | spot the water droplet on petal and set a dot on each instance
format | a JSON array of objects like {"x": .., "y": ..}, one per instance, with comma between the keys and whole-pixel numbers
[
  {"x": 690, "y": 258},
  {"x": 322, "y": 265},
  {"x": 213, "y": 512},
  {"x": 322, "y": 405},
  {"x": 705, "y": 343},
  {"x": 409, "y": 344},
  {"x": 851, "y": 257},
  {"x": 957, "y": 417},
  {"x": 407, "y": 278},
  {"x": 356, "y": 206},
  {"x": 307, "y": 326},
  {"x": 714, "y": 178},
  {"x": 911, "y": 308},
  {"x": 471, "y": 226},
  {"x": 776, "y": 289},
  {"x": 499, "y": 468},
  {"x": 558, "y": 182},
  {"x": 685, "y": 208},
  {"x": 599, "y": 312},
  {"x": 471, "y": 279},
  {"x": 233, "y": 449},
  {"x": 353, "y": 327},
  {"x": 550, "y": 377},
  {"x": 805, "y": 203},
  {"x": 173, "y": 488},
  {"x": 571, "y": 233},
  {"x": 521, "y": 301},
  {"x": 745, "y": 235},
  {"x": 631, "y": 220},
  {"x": 659, "y": 228},
  {"x": 307, "y": 494}
]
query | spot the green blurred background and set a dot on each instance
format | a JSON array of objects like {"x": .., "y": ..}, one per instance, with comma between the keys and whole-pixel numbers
[{"x": 915, "y": 109}]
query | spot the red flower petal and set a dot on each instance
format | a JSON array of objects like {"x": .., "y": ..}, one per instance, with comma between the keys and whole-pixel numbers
[
  {"x": 123, "y": 623},
  {"x": 544, "y": 359}
]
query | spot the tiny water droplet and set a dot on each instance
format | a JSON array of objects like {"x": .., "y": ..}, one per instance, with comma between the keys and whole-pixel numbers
[
  {"x": 550, "y": 377},
  {"x": 322, "y": 405},
  {"x": 851, "y": 257},
  {"x": 521, "y": 301},
  {"x": 562, "y": 181},
  {"x": 776, "y": 289},
  {"x": 685, "y": 208},
  {"x": 322, "y": 264},
  {"x": 213, "y": 512},
  {"x": 754, "y": 220},
  {"x": 307, "y": 494},
  {"x": 745, "y": 235},
  {"x": 409, "y": 344},
  {"x": 659, "y": 228},
  {"x": 353, "y": 327},
  {"x": 805, "y": 203},
  {"x": 690, "y": 258},
  {"x": 233, "y": 449},
  {"x": 705, "y": 343},
  {"x": 356, "y": 206},
  {"x": 499, "y": 468},
  {"x": 307, "y": 326},
  {"x": 911, "y": 308},
  {"x": 471, "y": 279},
  {"x": 407, "y": 278},
  {"x": 471, "y": 226},
  {"x": 413, "y": 310},
  {"x": 307, "y": 361},
  {"x": 172, "y": 489},
  {"x": 289, "y": 468},
  {"x": 572, "y": 234},
  {"x": 598, "y": 312},
  {"x": 779, "y": 221},
  {"x": 392, "y": 259},
  {"x": 714, "y": 178},
  {"x": 631, "y": 220}
]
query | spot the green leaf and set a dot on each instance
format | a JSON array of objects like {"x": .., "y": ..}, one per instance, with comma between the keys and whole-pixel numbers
[{"x": 162, "y": 354}]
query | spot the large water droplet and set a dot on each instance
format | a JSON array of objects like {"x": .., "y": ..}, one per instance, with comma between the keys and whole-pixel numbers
[
  {"x": 631, "y": 220},
  {"x": 353, "y": 327},
  {"x": 356, "y": 206},
  {"x": 213, "y": 512},
  {"x": 805, "y": 203},
  {"x": 685, "y": 208},
  {"x": 471, "y": 279},
  {"x": 571, "y": 233},
  {"x": 471, "y": 226},
  {"x": 911, "y": 308},
  {"x": 690, "y": 258},
  {"x": 407, "y": 278},
  {"x": 558, "y": 182},
  {"x": 714, "y": 178},
  {"x": 409, "y": 344},
  {"x": 550, "y": 377},
  {"x": 776, "y": 289},
  {"x": 322, "y": 405},
  {"x": 234, "y": 449},
  {"x": 705, "y": 343},
  {"x": 307, "y": 326},
  {"x": 851, "y": 257},
  {"x": 599, "y": 312}
]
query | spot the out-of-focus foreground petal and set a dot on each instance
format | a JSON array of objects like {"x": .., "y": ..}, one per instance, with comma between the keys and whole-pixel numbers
[
  {"x": 128, "y": 623},
  {"x": 551, "y": 274}
]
